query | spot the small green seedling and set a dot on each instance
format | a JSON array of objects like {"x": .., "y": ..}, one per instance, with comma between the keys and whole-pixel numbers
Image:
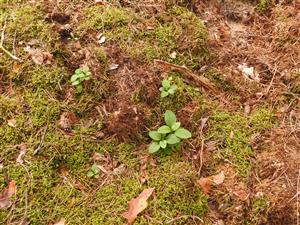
[
  {"x": 168, "y": 136},
  {"x": 94, "y": 172},
  {"x": 80, "y": 75},
  {"x": 167, "y": 89}
]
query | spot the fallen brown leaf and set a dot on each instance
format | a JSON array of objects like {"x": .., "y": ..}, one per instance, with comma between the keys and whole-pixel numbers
[
  {"x": 12, "y": 122},
  {"x": 207, "y": 182},
  {"x": 137, "y": 205},
  {"x": 16, "y": 67},
  {"x": 39, "y": 56},
  {"x": 61, "y": 222},
  {"x": 6, "y": 194},
  {"x": 67, "y": 119},
  {"x": 23, "y": 150}
]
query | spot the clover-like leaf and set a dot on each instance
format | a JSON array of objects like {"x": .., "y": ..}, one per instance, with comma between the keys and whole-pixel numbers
[
  {"x": 172, "y": 139},
  {"x": 166, "y": 84},
  {"x": 90, "y": 173},
  {"x": 154, "y": 147},
  {"x": 155, "y": 135},
  {"x": 164, "y": 94},
  {"x": 164, "y": 130},
  {"x": 170, "y": 118},
  {"x": 175, "y": 126},
  {"x": 163, "y": 143},
  {"x": 183, "y": 133}
]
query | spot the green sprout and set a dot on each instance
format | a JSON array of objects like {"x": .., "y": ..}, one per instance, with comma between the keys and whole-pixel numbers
[
  {"x": 93, "y": 172},
  {"x": 80, "y": 75},
  {"x": 167, "y": 88},
  {"x": 168, "y": 136}
]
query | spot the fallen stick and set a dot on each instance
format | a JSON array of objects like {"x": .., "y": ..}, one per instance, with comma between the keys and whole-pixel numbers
[
  {"x": 4, "y": 49},
  {"x": 199, "y": 80}
]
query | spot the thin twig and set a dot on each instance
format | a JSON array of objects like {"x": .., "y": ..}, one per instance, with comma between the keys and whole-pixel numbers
[
  {"x": 201, "y": 81},
  {"x": 2, "y": 41},
  {"x": 185, "y": 217},
  {"x": 42, "y": 139},
  {"x": 201, "y": 157}
]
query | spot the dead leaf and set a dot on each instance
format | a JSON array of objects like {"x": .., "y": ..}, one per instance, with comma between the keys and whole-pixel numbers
[
  {"x": 6, "y": 194},
  {"x": 218, "y": 178},
  {"x": 249, "y": 72},
  {"x": 61, "y": 222},
  {"x": 137, "y": 205},
  {"x": 12, "y": 122},
  {"x": 16, "y": 68},
  {"x": 113, "y": 66},
  {"x": 39, "y": 56},
  {"x": 241, "y": 192},
  {"x": 67, "y": 119},
  {"x": 23, "y": 150},
  {"x": 205, "y": 183}
]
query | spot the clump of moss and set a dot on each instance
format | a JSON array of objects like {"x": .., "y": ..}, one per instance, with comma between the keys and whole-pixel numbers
[
  {"x": 99, "y": 17},
  {"x": 235, "y": 131},
  {"x": 175, "y": 191},
  {"x": 264, "y": 5}
]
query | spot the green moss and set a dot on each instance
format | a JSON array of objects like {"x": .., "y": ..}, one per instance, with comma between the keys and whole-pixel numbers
[
  {"x": 264, "y": 5},
  {"x": 99, "y": 17},
  {"x": 235, "y": 131},
  {"x": 262, "y": 119},
  {"x": 43, "y": 107},
  {"x": 28, "y": 23}
]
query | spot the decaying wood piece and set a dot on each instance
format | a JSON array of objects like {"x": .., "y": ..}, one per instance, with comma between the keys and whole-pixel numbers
[{"x": 189, "y": 75}]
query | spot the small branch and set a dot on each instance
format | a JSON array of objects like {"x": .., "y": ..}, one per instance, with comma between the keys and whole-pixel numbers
[
  {"x": 185, "y": 217},
  {"x": 199, "y": 80},
  {"x": 1, "y": 43}
]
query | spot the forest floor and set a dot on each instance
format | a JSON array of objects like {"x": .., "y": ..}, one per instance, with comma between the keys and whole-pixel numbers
[{"x": 241, "y": 165}]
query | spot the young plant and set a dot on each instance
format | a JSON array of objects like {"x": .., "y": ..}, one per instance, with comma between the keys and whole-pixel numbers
[
  {"x": 80, "y": 75},
  {"x": 94, "y": 171},
  {"x": 167, "y": 89},
  {"x": 168, "y": 136}
]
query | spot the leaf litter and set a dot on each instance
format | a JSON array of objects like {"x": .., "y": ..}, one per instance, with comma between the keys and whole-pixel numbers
[
  {"x": 5, "y": 196},
  {"x": 137, "y": 205}
]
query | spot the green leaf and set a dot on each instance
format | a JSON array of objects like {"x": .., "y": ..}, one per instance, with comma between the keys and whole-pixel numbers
[
  {"x": 155, "y": 135},
  {"x": 154, "y": 147},
  {"x": 183, "y": 133},
  {"x": 171, "y": 91},
  {"x": 166, "y": 84},
  {"x": 76, "y": 82},
  {"x": 163, "y": 144},
  {"x": 164, "y": 94},
  {"x": 175, "y": 126},
  {"x": 164, "y": 130},
  {"x": 90, "y": 174},
  {"x": 170, "y": 118},
  {"x": 95, "y": 168},
  {"x": 172, "y": 139},
  {"x": 73, "y": 78},
  {"x": 79, "y": 88}
]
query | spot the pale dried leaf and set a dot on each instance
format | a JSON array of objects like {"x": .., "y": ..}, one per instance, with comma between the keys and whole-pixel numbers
[
  {"x": 218, "y": 178},
  {"x": 6, "y": 194},
  {"x": 137, "y": 205},
  {"x": 113, "y": 66},
  {"x": 39, "y": 56},
  {"x": 12, "y": 122},
  {"x": 23, "y": 150},
  {"x": 249, "y": 72},
  {"x": 61, "y": 222}
]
